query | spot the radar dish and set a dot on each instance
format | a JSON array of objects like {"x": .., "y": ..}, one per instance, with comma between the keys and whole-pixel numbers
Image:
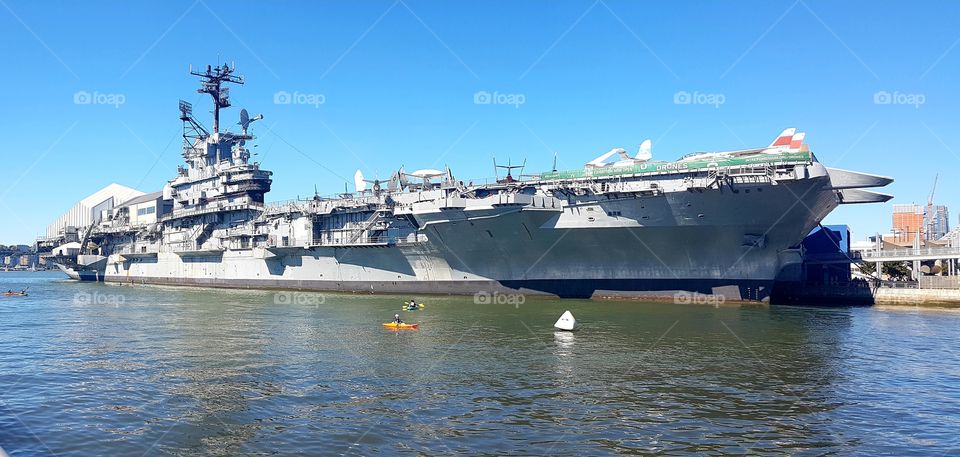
[
  {"x": 244, "y": 119},
  {"x": 186, "y": 109}
]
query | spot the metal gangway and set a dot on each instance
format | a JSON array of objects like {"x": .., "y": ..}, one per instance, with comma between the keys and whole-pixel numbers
[{"x": 910, "y": 254}]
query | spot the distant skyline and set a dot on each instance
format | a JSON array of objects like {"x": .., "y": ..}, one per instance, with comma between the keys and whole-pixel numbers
[{"x": 90, "y": 90}]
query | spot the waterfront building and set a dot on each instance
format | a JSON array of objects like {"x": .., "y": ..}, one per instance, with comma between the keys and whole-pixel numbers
[
  {"x": 908, "y": 222},
  {"x": 938, "y": 222},
  {"x": 91, "y": 209}
]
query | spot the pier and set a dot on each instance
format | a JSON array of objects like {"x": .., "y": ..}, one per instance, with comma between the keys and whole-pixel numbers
[{"x": 919, "y": 289}]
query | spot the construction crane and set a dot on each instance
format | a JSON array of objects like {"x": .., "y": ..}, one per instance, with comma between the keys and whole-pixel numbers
[{"x": 930, "y": 226}]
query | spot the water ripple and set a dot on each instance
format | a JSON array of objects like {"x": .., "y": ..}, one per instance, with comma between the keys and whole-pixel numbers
[{"x": 177, "y": 371}]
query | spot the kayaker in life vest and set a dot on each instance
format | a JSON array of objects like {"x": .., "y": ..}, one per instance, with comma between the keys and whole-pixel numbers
[{"x": 396, "y": 319}]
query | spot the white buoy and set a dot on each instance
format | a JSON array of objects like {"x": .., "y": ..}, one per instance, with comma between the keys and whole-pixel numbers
[{"x": 566, "y": 321}]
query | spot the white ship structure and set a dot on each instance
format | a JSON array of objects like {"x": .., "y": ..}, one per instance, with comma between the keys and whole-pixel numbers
[{"x": 723, "y": 223}]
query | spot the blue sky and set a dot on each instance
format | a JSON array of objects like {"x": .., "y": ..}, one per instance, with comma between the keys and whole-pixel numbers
[{"x": 398, "y": 79}]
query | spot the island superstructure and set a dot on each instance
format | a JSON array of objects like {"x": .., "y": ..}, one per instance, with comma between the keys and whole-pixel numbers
[{"x": 723, "y": 223}]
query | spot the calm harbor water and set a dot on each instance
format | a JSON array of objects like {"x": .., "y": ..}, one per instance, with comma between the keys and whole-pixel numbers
[{"x": 93, "y": 369}]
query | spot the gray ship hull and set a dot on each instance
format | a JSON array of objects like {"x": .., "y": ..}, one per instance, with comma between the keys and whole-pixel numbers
[
  {"x": 84, "y": 268},
  {"x": 691, "y": 242},
  {"x": 735, "y": 290},
  {"x": 82, "y": 275}
]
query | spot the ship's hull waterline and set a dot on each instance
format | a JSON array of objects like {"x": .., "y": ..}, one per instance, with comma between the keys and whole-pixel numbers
[{"x": 694, "y": 244}]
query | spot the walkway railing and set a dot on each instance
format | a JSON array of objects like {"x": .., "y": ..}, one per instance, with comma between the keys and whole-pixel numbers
[
  {"x": 833, "y": 257},
  {"x": 940, "y": 282},
  {"x": 927, "y": 253},
  {"x": 372, "y": 240}
]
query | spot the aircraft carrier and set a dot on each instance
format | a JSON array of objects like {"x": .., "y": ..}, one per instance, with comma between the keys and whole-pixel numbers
[{"x": 721, "y": 223}]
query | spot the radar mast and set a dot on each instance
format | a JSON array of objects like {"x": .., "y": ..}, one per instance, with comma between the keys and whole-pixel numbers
[{"x": 212, "y": 83}]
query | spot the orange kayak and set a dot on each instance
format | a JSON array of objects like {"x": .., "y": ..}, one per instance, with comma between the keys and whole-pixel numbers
[{"x": 396, "y": 326}]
